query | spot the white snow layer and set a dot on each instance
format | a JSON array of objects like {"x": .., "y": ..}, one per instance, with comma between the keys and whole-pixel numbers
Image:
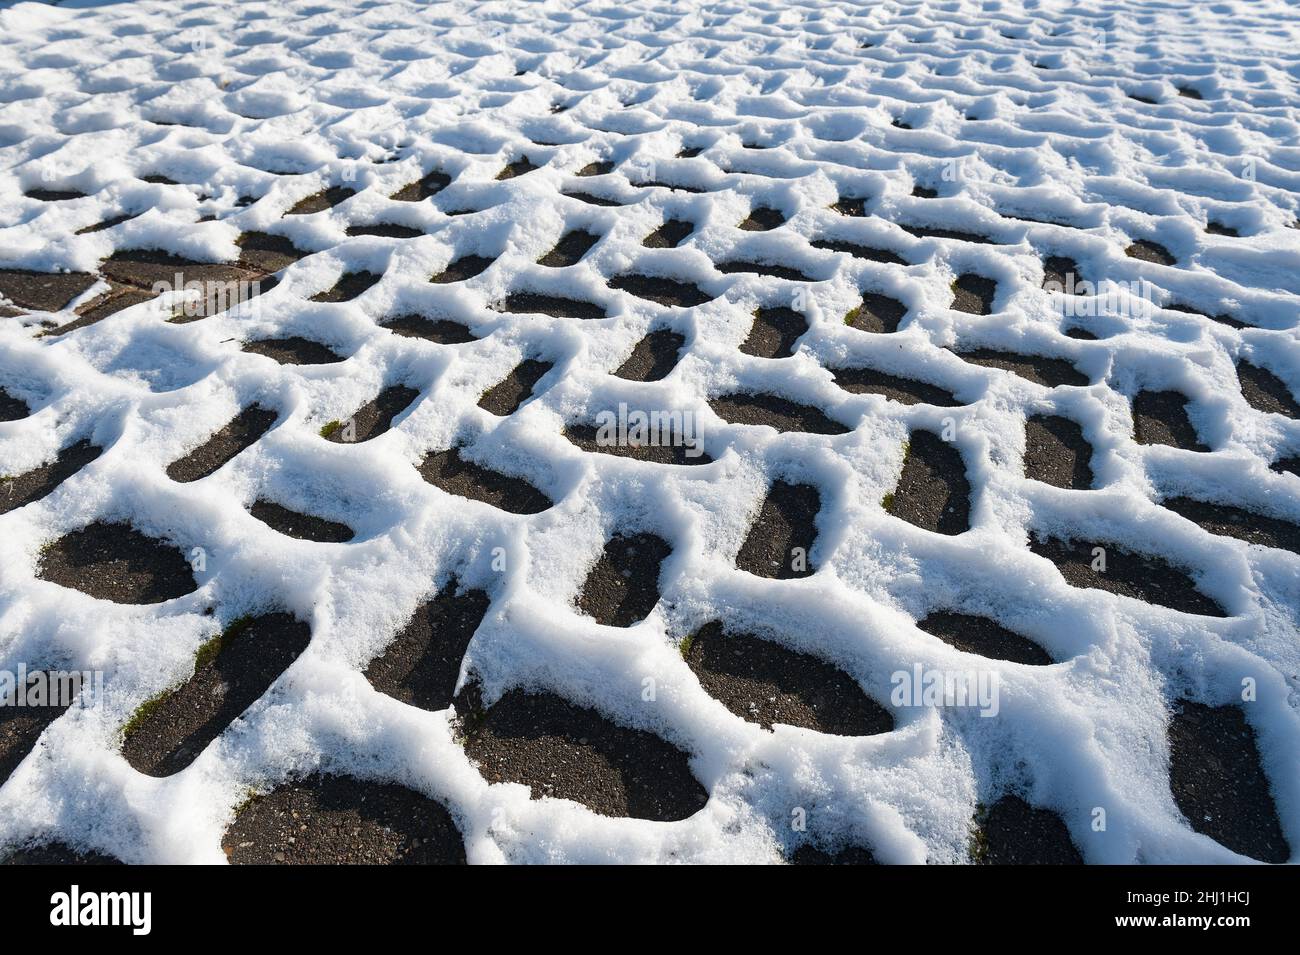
[{"x": 280, "y": 100}]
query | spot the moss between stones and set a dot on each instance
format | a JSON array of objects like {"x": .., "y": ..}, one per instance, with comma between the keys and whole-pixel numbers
[
  {"x": 887, "y": 502},
  {"x": 143, "y": 712},
  {"x": 202, "y": 657}
]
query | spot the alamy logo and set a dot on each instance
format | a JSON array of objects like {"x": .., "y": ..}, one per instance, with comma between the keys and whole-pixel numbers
[
  {"x": 648, "y": 429},
  {"x": 25, "y": 687},
  {"x": 210, "y": 296},
  {"x": 75, "y": 907},
  {"x": 933, "y": 688},
  {"x": 1123, "y": 299}
]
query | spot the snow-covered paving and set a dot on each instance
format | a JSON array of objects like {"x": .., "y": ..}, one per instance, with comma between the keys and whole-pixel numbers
[{"x": 1022, "y": 131}]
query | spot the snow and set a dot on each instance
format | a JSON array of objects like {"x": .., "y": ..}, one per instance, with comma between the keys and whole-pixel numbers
[{"x": 280, "y": 100}]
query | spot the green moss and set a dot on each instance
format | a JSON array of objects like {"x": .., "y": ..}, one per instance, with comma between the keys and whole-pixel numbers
[
  {"x": 685, "y": 645},
  {"x": 887, "y": 502},
  {"x": 249, "y": 795},
  {"x": 143, "y": 712},
  {"x": 208, "y": 652},
  {"x": 205, "y": 655},
  {"x": 852, "y": 316},
  {"x": 237, "y": 626},
  {"x": 330, "y": 429}
]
